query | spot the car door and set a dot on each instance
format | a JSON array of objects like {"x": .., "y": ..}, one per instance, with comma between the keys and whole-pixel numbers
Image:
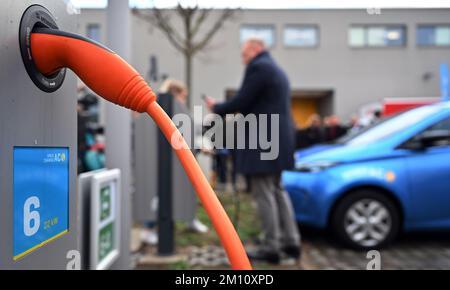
[{"x": 429, "y": 181}]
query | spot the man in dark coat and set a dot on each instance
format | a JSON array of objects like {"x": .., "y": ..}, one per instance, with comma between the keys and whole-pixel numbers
[{"x": 265, "y": 90}]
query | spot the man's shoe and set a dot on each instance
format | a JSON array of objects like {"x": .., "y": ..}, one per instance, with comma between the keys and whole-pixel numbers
[
  {"x": 264, "y": 256},
  {"x": 292, "y": 252}
]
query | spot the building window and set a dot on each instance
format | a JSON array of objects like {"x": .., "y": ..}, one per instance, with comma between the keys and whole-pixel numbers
[
  {"x": 377, "y": 36},
  {"x": 433, "y": 35},
  {"x": 264, "y": 32},
  {"x": 93, "y": 32},
  {"x": 357, "y": 36},
  {"x": 301, "y": 36}
]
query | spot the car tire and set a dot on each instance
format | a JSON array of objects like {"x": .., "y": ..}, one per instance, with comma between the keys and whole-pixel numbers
[{"x": 366, "y": 219}]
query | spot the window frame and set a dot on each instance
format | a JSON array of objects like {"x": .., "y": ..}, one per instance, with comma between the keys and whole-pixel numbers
[
  {"x": 413, "y": 140},
  {"x": 366, "y": 27},
  {"x": 272, "y": 27},
  {"x": 434, "y": 44},
  {"x": 316, "y": 27}
]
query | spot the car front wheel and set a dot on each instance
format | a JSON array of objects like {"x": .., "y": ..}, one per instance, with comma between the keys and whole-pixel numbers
[{"x": 366, "y": 219}]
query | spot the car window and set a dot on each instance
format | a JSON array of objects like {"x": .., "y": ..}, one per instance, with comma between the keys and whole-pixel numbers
[
  {"x": 443, "y": 125},
  {"x": 393, "y": 125}
]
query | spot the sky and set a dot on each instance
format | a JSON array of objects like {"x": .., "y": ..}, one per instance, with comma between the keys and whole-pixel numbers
[{"x": 282, "y": 4}]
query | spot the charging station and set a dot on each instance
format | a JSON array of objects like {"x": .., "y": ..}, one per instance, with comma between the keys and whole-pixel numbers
[{"x": 38, "y": 144}]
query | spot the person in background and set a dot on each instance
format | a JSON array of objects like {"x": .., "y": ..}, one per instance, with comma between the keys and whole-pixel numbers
[
  {"x": 82, "y": 143},
  {"x": 221, "y": 167},
  {"x": 376, "y": 117},
  {"x": 90, "y": 146},
  {"x": 179, "y": 91},
  {"x": 354, "y": 126},
  {"x": 314, "y": 131},
  {"x": 333, "y": 129},
  {"x": 311, "y": 135},
  {"x": 354, "y": 121},
  {"x": 265, "y": 90}
]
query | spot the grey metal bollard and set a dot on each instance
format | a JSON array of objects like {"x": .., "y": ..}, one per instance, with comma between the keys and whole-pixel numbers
[
  {"x": 38, "y": 145},
  {"x": 145, "y": 199}
]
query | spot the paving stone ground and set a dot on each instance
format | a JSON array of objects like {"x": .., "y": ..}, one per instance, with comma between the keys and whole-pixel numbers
[
  {"x": 410, "y": 251},
  {"x": 320, "y": 251}
]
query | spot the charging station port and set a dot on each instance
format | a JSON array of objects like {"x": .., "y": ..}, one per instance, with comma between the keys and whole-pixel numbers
[{"x": 34, "y": 17}]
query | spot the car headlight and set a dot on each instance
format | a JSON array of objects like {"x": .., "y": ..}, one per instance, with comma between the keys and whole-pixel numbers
[{"x": 314, "y": 167}]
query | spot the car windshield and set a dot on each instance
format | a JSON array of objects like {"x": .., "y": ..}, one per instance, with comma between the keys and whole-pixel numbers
[{"x": 389, "y": 126}]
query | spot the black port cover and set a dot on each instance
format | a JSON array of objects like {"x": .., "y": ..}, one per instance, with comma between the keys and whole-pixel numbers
[{"x": 34, "y": 17}]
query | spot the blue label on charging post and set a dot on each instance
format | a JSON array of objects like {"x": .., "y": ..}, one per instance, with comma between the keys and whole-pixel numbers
[{"x": 41, "y": 197}]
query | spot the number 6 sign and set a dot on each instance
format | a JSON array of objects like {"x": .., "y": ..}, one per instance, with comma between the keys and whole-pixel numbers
[
  {"x": 41, "y": 197},
  {"x": 30, "y": 216}
]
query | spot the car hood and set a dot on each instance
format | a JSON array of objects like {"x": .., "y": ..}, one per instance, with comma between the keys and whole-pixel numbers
[
  {"x": 314, "y": 149},
  {"x": 346, "y": 153}
]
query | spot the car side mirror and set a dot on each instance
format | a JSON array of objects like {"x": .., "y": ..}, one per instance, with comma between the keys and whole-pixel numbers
[{"x": 435, "y": 138}]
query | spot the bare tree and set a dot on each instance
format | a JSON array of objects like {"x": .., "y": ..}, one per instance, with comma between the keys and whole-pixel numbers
[{"x": 189, "y": 43}]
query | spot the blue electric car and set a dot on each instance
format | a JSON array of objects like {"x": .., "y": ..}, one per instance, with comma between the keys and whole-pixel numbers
[{"x": 368, "y": 187}]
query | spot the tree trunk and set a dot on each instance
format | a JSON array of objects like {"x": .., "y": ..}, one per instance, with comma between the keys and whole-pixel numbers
[
  {"x": 188, "y": 55},
  {"x": 188, "y": 78}
]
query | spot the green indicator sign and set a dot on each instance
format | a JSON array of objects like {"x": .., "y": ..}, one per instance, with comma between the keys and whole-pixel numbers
[
  {"x": 105, "y": 219},
  {"x": 106, "y": 241},
  {"x": 105, "y": 203}
]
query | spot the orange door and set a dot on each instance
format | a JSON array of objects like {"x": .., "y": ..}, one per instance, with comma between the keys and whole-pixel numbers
[{"x": 302, "y": 109}]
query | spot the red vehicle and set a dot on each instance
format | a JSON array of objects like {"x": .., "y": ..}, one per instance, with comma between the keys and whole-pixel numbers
[{"x": 393, "y": 106}]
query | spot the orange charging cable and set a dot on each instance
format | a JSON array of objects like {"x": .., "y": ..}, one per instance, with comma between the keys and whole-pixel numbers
[
  {"x": 114, "y": 79},
  {"x": 221, "y": 222}
]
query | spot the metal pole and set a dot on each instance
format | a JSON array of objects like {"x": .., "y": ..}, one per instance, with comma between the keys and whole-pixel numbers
[
  {"x": 165, "y": 216},
  {"x": 444, "y": 81},
  {"x": 118, "y": 125}
]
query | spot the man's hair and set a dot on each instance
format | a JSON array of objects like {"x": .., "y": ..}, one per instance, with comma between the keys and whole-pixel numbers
[{"x": 256, "y": 41}]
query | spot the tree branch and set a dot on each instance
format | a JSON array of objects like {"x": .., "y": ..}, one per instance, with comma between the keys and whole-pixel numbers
[
  {"x": 226, "y": 14},
  {"x": 199, "y": 21},
  {"x": 186, "y": 12},
  {"x": 162, "y": 22}
]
